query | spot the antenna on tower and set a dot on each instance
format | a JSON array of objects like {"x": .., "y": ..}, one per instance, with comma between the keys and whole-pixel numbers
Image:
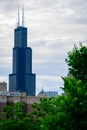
[
  {"x": 22, "y": 15},
  {"x": 18, "y": 17}
]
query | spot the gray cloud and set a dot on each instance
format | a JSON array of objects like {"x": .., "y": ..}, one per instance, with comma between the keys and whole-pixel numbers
[{"x": 53, "y": 28}]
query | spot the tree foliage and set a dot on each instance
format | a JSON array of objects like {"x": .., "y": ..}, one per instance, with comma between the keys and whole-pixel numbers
[
  {"x": 67, "y": 112},
  {"x": 13, "y": 117},
  {"x": 77, "y": 62}
]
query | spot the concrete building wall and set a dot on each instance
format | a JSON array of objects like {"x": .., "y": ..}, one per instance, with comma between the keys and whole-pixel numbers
[{"x": 27, "y": 100}]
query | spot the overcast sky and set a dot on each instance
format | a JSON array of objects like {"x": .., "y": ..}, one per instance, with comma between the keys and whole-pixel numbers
[{"x": 54, "y": 26}]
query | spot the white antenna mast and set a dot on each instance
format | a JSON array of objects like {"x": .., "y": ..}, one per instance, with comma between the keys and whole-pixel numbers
[
  {"x": 22, "y": 15},
  {"x": 18, "y": 17}
]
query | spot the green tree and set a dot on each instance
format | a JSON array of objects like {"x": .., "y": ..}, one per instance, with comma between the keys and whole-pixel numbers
[
  {"x": 75, "y": 103},
  {"x": 67, "y": 112},
  {"x": 77, "y": 62},
  {"x": 40, "y": 111},
  {"x": 14, "y": 117},
  {"x": 14, "y": 110}
]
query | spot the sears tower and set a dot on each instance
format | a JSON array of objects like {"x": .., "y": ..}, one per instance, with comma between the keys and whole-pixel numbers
[{"x": 22, "y": 79}]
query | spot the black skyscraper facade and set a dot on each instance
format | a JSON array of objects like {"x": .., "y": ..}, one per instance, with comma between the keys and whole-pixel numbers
[{"x": 22, "y": 79}]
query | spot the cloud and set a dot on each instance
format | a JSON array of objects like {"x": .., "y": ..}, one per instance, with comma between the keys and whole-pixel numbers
[{"x": 53, "y": 29}]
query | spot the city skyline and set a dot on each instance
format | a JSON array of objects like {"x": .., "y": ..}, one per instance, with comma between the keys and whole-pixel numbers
[{"x": 53, "y": 29}]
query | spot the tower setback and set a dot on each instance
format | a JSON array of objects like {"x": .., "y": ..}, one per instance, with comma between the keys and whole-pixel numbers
[{"x": 22, "y": 79}]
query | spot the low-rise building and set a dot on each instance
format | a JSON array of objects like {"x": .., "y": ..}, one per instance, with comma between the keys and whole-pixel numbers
[
  {"x": 3, "y": 86},
  {"x": 15, "y": 97}
]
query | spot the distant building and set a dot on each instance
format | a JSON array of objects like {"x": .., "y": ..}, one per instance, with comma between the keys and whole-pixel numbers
[
  {"x": 22, "y": 79},
  {"x": 52, "y": 93},
  {"x": 3, "y": 86},
  {"x": 43, "y": 93}
]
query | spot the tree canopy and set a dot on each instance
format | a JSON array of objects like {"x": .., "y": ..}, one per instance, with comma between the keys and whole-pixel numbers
[{"x": 77, "y": 62}]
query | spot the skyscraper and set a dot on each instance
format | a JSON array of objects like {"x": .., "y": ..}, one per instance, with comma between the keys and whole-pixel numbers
[{"x": 22, "y": 79}]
